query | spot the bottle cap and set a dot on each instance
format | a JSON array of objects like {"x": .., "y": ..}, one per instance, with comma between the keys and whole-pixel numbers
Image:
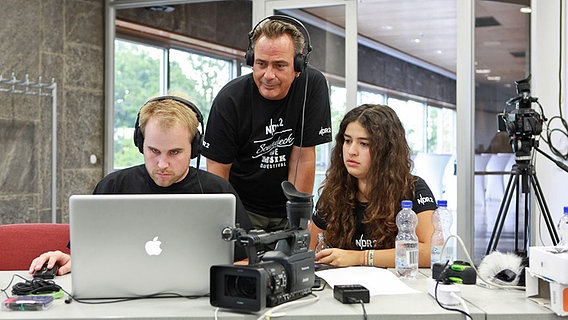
[
  {"x": 442, "y": 203},
  {"x": 406, "y": 204},
  {"x": 566, "y": 210}
]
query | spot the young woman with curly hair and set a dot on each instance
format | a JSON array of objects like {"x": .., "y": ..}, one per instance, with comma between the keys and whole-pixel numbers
[{"x": 369, "y": 176}]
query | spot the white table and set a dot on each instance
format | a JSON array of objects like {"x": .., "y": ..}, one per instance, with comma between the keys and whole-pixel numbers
[{"x": 482, "y": 304}]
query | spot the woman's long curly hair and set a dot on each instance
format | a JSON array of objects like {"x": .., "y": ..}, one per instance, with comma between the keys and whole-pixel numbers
[{"x": 389, "y": 180}]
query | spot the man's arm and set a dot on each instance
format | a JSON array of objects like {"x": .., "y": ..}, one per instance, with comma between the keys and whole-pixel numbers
[
  {"x": 304, "y": 159},
  {"x": 220, "y": 169}
]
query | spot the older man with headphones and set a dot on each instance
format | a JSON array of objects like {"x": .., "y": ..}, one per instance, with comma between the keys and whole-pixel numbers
[
  {"x": 167, "y": 133},
  {"x": 263, "y": 127}
]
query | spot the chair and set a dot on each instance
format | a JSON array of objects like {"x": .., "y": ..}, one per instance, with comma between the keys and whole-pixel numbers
[
  {"x": 479, "y": 180},
  {"x": 481, "y": 161},
  {"x": 494, "y": 187},
  {"x": 431, "y": 167},
  {"x": 21, "y": 243}
]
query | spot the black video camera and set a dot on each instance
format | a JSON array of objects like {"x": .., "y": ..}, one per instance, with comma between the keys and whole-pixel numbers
[
  {"x": 523, "y": 122},
  {"x": 273, "y": 277}
]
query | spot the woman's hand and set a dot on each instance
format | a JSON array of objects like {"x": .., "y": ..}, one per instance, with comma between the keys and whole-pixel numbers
[{"x": 340, "y": 257}]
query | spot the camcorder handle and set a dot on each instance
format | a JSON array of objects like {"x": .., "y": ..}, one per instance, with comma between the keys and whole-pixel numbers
[
  {"x": 293, "y": 239},
  {"x": 255, "y": 239}
]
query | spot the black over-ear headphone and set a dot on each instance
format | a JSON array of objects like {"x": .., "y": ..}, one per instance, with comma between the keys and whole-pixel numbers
[
  {"x": 301, "y": 59},
  {"x": 197, "y": 139}
]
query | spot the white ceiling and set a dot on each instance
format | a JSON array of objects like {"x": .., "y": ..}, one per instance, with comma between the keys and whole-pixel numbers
[{"x": 400, "y": 24}]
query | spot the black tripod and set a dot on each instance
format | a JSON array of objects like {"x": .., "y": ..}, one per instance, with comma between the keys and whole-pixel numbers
[{"x": 523, "y": 176}]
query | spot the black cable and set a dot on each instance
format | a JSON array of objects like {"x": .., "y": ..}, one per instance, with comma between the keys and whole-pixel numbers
[
  {"x": 9, "y": 284},
  {"x": 39, "y": 286},
  {"x": 149, "y": 296},
  {"x": 321, "y": 287},
  {"x": 440, "y": 276},
  {"x": 35, "y": 286},
  {"x": 364, "y": 311},
  {"x": 353, "y": 300},
  {"x": 302, "y": 131},
  {"x": 564, "y": 125}
]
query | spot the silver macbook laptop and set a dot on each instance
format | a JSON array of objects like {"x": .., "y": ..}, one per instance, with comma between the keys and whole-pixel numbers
[{"x": 139, "y": 245}]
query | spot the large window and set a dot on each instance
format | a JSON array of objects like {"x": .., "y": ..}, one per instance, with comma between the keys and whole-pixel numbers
[
  {"x": 138, "y": 75},
  {"x": 143, "y": 71}
]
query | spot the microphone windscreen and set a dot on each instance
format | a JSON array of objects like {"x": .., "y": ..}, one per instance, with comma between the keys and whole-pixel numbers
[{"x": 501, "y": 268}]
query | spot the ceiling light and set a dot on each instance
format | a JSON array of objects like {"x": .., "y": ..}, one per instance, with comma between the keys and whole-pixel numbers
[
  {"x": 166, "y": 9},
  {"x": 526, "y": 10},
  {"x": 387, "y": 27},
  {"x": 494, "y": 78},
  {"x": 439, "y": 51},
  {"x": 416, "y": 40},
  {"x": 482, "y": 71}
]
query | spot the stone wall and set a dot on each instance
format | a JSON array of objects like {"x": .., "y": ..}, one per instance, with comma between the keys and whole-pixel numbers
[{"x": 61, "y": 40}]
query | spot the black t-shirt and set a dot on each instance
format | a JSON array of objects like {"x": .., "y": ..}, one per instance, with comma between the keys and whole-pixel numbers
[
  {"x": 256, "y": 135},
  {"x": 136, "y": 180},
  {"x": 423, "y": 201}
]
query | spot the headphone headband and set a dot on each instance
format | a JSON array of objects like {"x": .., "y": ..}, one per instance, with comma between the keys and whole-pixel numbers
[
  {"x": 187, "y": 103},
  {"x": 301, "y": 59},
  {"x": 197, "y": 138}
]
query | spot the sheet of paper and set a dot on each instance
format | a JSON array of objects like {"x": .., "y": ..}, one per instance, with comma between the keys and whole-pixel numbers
[{"x": 379, "y": 281}]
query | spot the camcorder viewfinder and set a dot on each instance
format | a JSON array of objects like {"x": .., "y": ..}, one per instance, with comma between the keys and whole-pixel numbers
[{"x": 272, "y": 277}]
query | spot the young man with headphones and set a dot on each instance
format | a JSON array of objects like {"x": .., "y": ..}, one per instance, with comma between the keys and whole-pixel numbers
[
  {"x": 263, "y": 127},
  {"x": 166, "y": 132}
]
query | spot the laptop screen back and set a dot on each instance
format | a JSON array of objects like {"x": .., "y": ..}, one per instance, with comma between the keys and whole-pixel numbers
[{"x": 138, "y": 245}]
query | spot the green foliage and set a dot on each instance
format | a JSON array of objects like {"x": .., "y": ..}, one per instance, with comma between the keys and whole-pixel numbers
[
  {"x": 126, "y": 154},
  {"x": 138, "y": 78}
]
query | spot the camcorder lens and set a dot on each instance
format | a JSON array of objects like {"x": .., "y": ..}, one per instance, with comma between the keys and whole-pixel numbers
[{"x": 241, "y": 287}]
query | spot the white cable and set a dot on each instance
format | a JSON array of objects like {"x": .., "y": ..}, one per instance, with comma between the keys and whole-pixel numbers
[
  {"x": 488, "y": 284},
  {"x": 462, "y": 303},
  {"x": 216, "y": 312},
  {"x": 271, "y": 313}
]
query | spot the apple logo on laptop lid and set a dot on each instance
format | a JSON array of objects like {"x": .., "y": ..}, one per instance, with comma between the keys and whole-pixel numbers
[{"x": 153, "y": 247}]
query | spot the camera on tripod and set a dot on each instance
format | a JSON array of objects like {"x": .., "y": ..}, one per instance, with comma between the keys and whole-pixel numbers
[
  {"x": 273, "y": 277},
  {"x": 523, "y": 122},
  {"x": 522, "y": 125}
]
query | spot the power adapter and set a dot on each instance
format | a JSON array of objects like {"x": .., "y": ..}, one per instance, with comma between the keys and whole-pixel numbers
[
  {"x": 351, "y": 293},
  {"x": 448, "y": 294}
]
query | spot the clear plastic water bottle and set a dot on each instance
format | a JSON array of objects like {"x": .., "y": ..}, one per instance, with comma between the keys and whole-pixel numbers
[
  {"x": 406, "y": 244},
  {"x": 321, "y": 243},
  {"x": 437, "y": 240},
  {"x": 446, "y": 220},
  {"x": 563, "y": 229}
]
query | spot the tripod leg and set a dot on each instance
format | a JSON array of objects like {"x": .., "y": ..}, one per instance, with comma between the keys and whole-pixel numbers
[
  {"x": 526, "y": 230},
  {"x": 514, "y": 186},
  {"x": 504, "y": 207},
  {"x": 544, "y": 209}
]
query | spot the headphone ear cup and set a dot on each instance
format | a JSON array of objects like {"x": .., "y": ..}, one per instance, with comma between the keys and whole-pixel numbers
[
  {"x": 299, "y": 62},
  {"x": 138, "y": 137},
  {"x": 249, "y": 56},
  {"x": 196, "y": 145}
]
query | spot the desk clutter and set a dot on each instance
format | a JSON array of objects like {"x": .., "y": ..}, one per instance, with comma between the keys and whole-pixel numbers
[
  {"x": 547, "y": 278},
  {"x": 483, "y": 303}
]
